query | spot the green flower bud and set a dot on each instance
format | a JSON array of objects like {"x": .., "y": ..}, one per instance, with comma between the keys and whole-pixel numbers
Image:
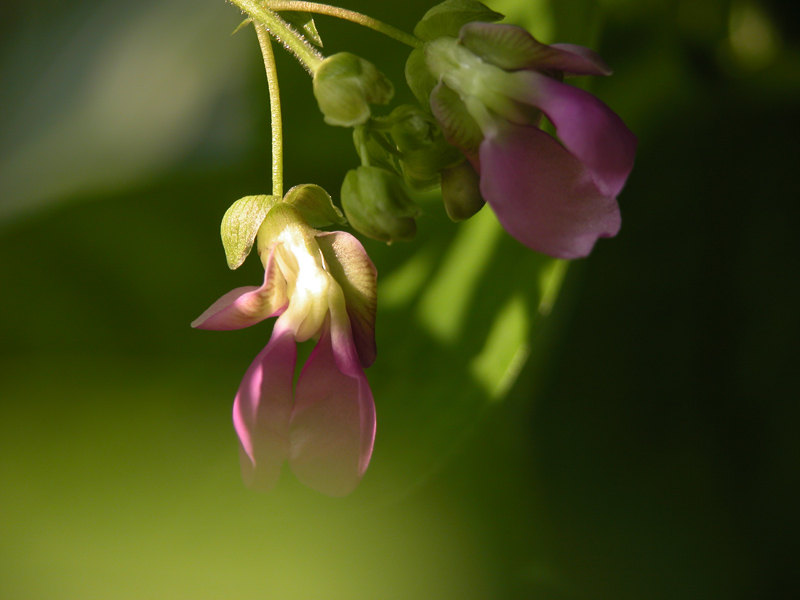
[
  {"x": 377, "y": 205},
  {"x": 424, "y": 150},
  {"x": 345, "y": 85},
  {"x": 375, "y": 149},
  {"x": 412, "y": 128},
  {"x": 461, "y": 191}
]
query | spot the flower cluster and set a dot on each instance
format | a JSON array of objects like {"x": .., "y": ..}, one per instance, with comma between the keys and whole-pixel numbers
[{"x": 487, "y": 94}]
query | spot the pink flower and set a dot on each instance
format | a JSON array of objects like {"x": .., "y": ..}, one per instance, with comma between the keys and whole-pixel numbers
[
  {"x": 319, "y": 285},
  {"x": 494, "y": 83}
]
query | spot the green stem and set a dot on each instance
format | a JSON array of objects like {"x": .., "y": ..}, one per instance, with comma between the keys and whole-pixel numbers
[
  {"x": 283, "y": 32},
  {"x": 274, "y": 108},
  {"x": 347, "y": 15}
]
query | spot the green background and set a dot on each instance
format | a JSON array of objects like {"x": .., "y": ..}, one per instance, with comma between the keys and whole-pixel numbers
[{"x": 635, "y": 439}]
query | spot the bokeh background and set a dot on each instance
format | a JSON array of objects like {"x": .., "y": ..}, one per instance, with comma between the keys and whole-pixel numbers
[{"x": 624, "y": 427}]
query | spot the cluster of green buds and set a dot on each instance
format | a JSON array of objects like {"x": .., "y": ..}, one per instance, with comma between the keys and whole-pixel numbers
[{"x": 404, "y": 152}]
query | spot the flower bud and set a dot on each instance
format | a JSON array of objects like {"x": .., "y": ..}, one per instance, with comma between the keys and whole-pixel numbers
[
  {"x": 376, "y": 204},
  {"x": 424, "y": 150},
  {"x": 461, "y": 191},
  {"x": 345, "y": 85}
]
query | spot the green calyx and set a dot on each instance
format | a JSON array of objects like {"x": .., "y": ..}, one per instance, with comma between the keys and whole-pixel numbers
[
  {"x": 315, "y": 204},
  {"x": 424, "y": 150},
  {"x": 244, "y": 219},
  {"x": 377, "y": 205},
  {"x": 447, "y": 18},
  {"x": 442, "y": 21},
  {"x": 280, "y": 218},
  {"x": 240, "y": 226},
  {"x": 472, "y": 94},
  {"x": 345, "y": 85}
]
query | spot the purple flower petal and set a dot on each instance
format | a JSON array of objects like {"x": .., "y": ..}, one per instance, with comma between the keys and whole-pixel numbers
[
  {"x": 578, "y": 60},
  {"x": 587, "y": 127},
  {"x": 247, "y": 306},
  {"x": 543, "y": 195},
  {"x": 353, "y": 270},
  {"x": 262, "y": 411},
  {"x": 333, "y": 423}
]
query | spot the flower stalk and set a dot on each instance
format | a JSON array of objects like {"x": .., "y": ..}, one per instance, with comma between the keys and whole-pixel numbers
[{"x": 265, "y": 42}]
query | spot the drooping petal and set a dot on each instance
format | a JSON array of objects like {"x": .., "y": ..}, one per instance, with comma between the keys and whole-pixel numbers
[
  {"x": 333, "y": 422},
  {"x": 512, "y": 48},
  {"x": 587, "y": 127},
  {"x": 346, "y": 356},
  {"x": 249, "y": 305},
  {"x": 543, "y": 195},
  {"x": 355, "y": 273},
  {"x": 583, "y": 61},
  {"x": 262, "y": 411}
]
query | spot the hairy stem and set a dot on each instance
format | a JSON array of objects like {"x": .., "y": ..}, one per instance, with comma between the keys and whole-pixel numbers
[
  {"x": 283, "y": 32},
  {"x": 347, "y": 15},
  {"x": 274, "y": 108}
]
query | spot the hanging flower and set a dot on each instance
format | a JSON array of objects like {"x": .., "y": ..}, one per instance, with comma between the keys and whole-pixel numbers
[
  {"x": 319, "y": 285},
  {"x": 489, "y": 89}
]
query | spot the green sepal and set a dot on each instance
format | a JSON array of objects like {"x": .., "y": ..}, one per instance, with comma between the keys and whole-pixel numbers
[
  {"x": 419, "y": 77},
  {"x": 374, "y": 147},
  {"x": 315, "y": 204},
  {"x": 422, "y": 168},
  {"x": 240, "y": 226},
  {"x": 459, "y": 127},
  {"x": 424, "y": 150},
  {"x": 304, "y": 23},
  {"x": 447, "y": 18},
  {"x": 418, "y": 174},
  {"x": 461, "y": 191},
  {"x": 412, "y": 128},
  {"x": 345, "y": 85},
  {"x": 280, "y": 218},
  {"x": 377, "y": 205}
]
